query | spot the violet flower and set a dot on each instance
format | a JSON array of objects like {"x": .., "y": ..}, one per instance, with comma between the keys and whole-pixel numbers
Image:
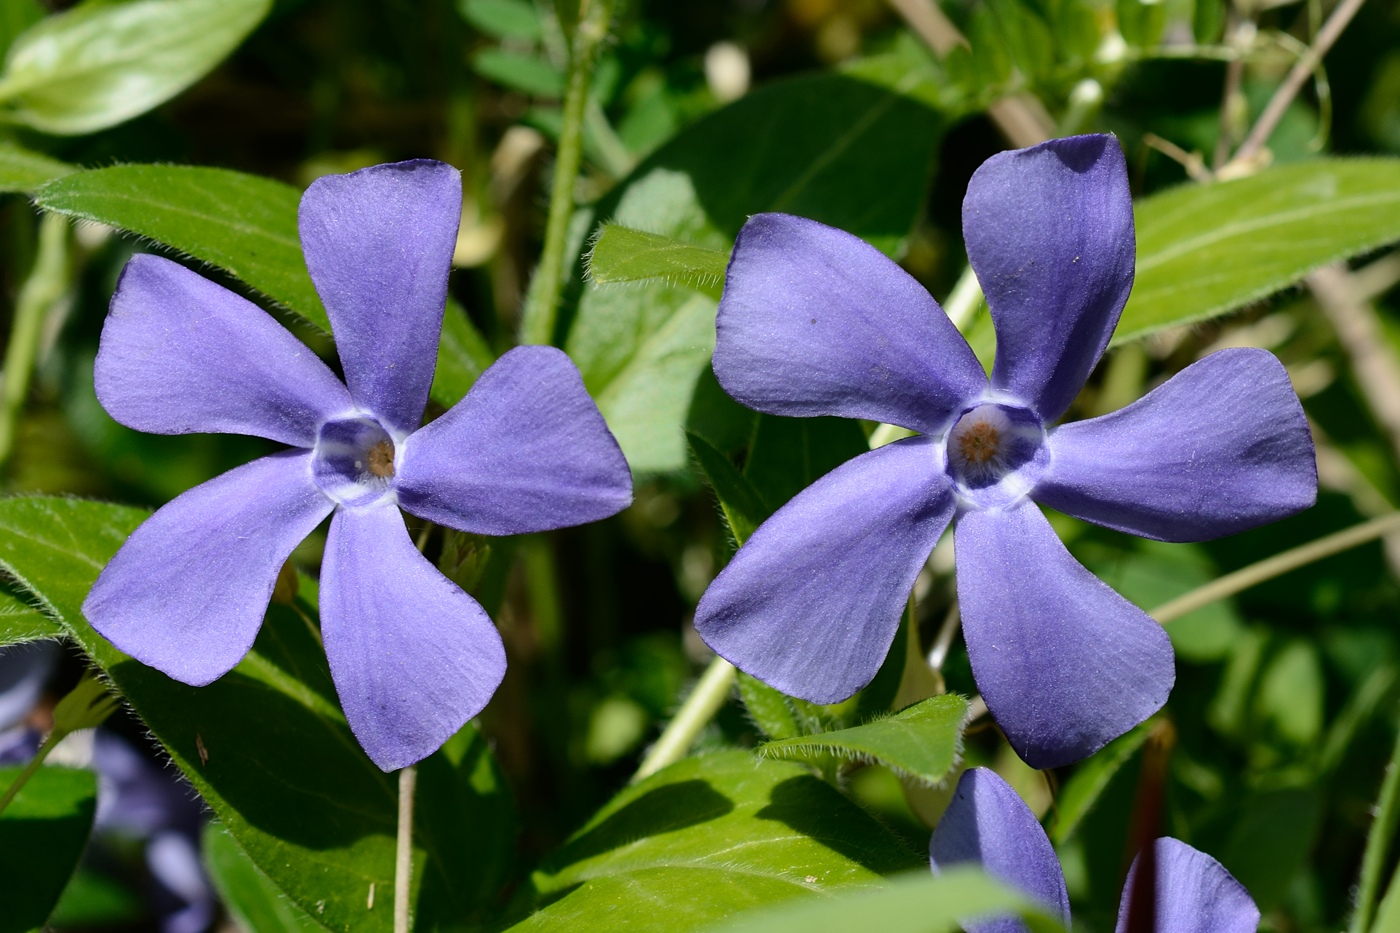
[
  {"x": 814, "y": 321},
  {"x": 412, "y": 656},
  {"x": 989, "y": 825}
]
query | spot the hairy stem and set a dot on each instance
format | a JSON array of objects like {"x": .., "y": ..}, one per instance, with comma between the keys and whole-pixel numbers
[
  {"x": 29, "y": 770},
  {"x": 46, "y": 284},
  {"x": 698, "y": 709},
  {"x": 403, "y": 849},
  {"x": 1387, "y": 814},
  {"x": 542, "y": 303}
]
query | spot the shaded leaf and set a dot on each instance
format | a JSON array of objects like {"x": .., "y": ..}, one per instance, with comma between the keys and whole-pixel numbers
[
  {"x": 621, "y": 254},
  {"x": 527, "y": 72},
  {"x": 21, "y": 620},
  {"x": 42, "y": 835},
  {"x": 1088, "y": 782},
  {"x": 1203, "y": 250},
  {"x": 922, "y": 742},
  {"x": 266, "y": 743},
  {"x": 708, "y": 837},
  {"x": 503, "y": 19},
  {"x": 23, "y": 172},
  {"x": 742, "y": 504},
  {"x": 247, "y": 893},
  {"x": 768, "y": 707},
  {"x": 101, "y": 63}
]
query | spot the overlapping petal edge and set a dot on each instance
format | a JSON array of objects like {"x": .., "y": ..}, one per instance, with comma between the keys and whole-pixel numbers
[
  {"x": 987, "y": 824},
  {"x": 814, "y": 321},
  {"x": 412, "y": 656}
]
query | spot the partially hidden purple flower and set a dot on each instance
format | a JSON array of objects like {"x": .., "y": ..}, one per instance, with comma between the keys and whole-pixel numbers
[
  {"x": 814, "y": 321},
  {"x": 988, "y": 825},
  {"x": 412, "y": 656}
]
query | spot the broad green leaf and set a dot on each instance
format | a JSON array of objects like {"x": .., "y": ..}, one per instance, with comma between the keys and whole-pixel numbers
[
  {"x": 503, "y": 19},
  {"x": 100, "y": 64},
  {"x": 922, "y": 742},
  {"x": 843, "y": 151},
  {"x": 267, "y": 747},
  {"x": 527, "y": 72},
  {"x": 917, "y": 902},
  {"x": 708, "y": 837},
  {"x": 1091, "y": 778},
  {"x": 247, "y": 892},
  {"x": 21, "y": 620},
  {"x": 42, "y": 835},
  {"x": 621, "y": 254},
  {"x": 1270, "y": 840},
  {"x": 1203, "y": 250},
  {"x": 742, "y": 504},
  {"x": 789, "y": 454},
  {"x": 23, "y": 172},
  {"x": 247, "y": 226}
]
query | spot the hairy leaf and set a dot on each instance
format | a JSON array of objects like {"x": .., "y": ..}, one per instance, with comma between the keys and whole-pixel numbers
[{"x": 42, "y": 835}]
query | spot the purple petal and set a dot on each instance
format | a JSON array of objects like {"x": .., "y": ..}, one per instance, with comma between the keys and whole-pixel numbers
[
  {"x": 181, "y": 355},
  {"x": 1195, "y": 894},
  {"x": 815, "y": 321},
  {"x": 811, "y": 602},
  {"x": 1220, "y": 447},
  {"x": 413, "y": 657},
  {"x": 1049, "y": 232},
  {"x": 187, "y": 592},
  {"x": 525, "y": 451},
  {"x": 1065, "y": 664},
  {"x": 988, "y": 824},
  {"x": 378, "y": 245}
]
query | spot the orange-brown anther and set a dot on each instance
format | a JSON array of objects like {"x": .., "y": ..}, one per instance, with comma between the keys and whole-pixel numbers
[
  {"x": 979, "y": 443},
  {"x": 381, "y": 460}
]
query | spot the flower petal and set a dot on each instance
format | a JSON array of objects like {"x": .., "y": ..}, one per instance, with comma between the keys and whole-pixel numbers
[
  {"x": 1220, "y": 447},
  {"x": 378, "y": 245},
  {"x": 1049, "y": 232},
  {"x": 1065, "y": 664},
  {"x": 187, "y": 592},
  {"x": 815, "y": 321},
  {"x": 181, "y": 355},
  {"x": 988, "y": 824},
  {"x": 811, "y": 602},
  {"x": 525, "y": 451},
  {"x": 1195, "y": 894},
  {"x": 412, "y": 656}
]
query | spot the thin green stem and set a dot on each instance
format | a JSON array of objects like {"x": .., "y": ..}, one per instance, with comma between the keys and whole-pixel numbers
[
  {"x": 46, "y": 284},
  {"x": 403, "y": 849},
  {"x": 697, "y": 710},
  {"x": 1232, "y": 583},
  {"x": 1377, "y": 842},
  {"x": 542, "y": 303},
  {"x": 29, "y": 770}
]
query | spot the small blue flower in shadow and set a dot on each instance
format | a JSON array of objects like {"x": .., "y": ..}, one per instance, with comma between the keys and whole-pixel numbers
[{"x": 413, "y": 657}]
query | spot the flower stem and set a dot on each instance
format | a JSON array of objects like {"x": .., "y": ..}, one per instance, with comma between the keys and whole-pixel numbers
[
  {"x": 86, "y": 706},
  {"x": 542, "y": 302},
  {"x": 1377, "y": 842},
  {"x": 18, "y": 784},
  {"x": 1279, "y": 564},
  {"x": 403, "y": 849},
  {"x": 697, "y": 710},
  {"x": 46, "y": 284}
]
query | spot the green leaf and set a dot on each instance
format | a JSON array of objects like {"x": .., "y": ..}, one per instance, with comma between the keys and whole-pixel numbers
[
  {"x": 503, "y": 19},
  {"x": 1088, "y": 782},
  {"x": 705, "y": 838},
  {"x": 266, "y": 744},
  {"x": 1203, "y": 250},
  {"x": 1270, "y": 841},
  {"x": 621, "y": 254},
  {"x": 768, "y": 707},
  {"x": 790, "y": 454},
  {"x": 23, "y": 172},
  {"x": 742, "y": 504},
  {"x": 101, "y": 64},
  {"x": 250, "y": 896},
  {"x": 247, "y": 226},
  {"x": 843, "y": 151},
  {"x": 42, "y": 835},
  {"x": 527, "y": 72},
  {"x": 917, "y": 902},
  {"x": 20, "y": 620},
  {"x": 922, "y": 742}
]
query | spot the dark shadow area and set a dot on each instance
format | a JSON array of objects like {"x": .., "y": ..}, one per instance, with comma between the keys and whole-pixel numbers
[
  {"x": 664, "y": 810},
  {"x": 815, "y": 809}
]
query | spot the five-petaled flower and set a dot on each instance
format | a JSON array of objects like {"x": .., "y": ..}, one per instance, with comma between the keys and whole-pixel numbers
[
  {"x": 412, "y": 656},
  {"x": 987, "y": 824},
  {"x": 814, "y": 321}
]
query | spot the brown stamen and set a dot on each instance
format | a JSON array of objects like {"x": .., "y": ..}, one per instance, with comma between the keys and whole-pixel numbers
[
  {"x": 381, "y": 459},
  {"x": 979, "y": 443}
]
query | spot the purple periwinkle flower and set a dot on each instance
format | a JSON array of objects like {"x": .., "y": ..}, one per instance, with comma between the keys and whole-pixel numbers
[
  {"x": 412, "y": 656},
  {"x": 814, "y": 321},
  {"x": 987, "y": 824}
]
